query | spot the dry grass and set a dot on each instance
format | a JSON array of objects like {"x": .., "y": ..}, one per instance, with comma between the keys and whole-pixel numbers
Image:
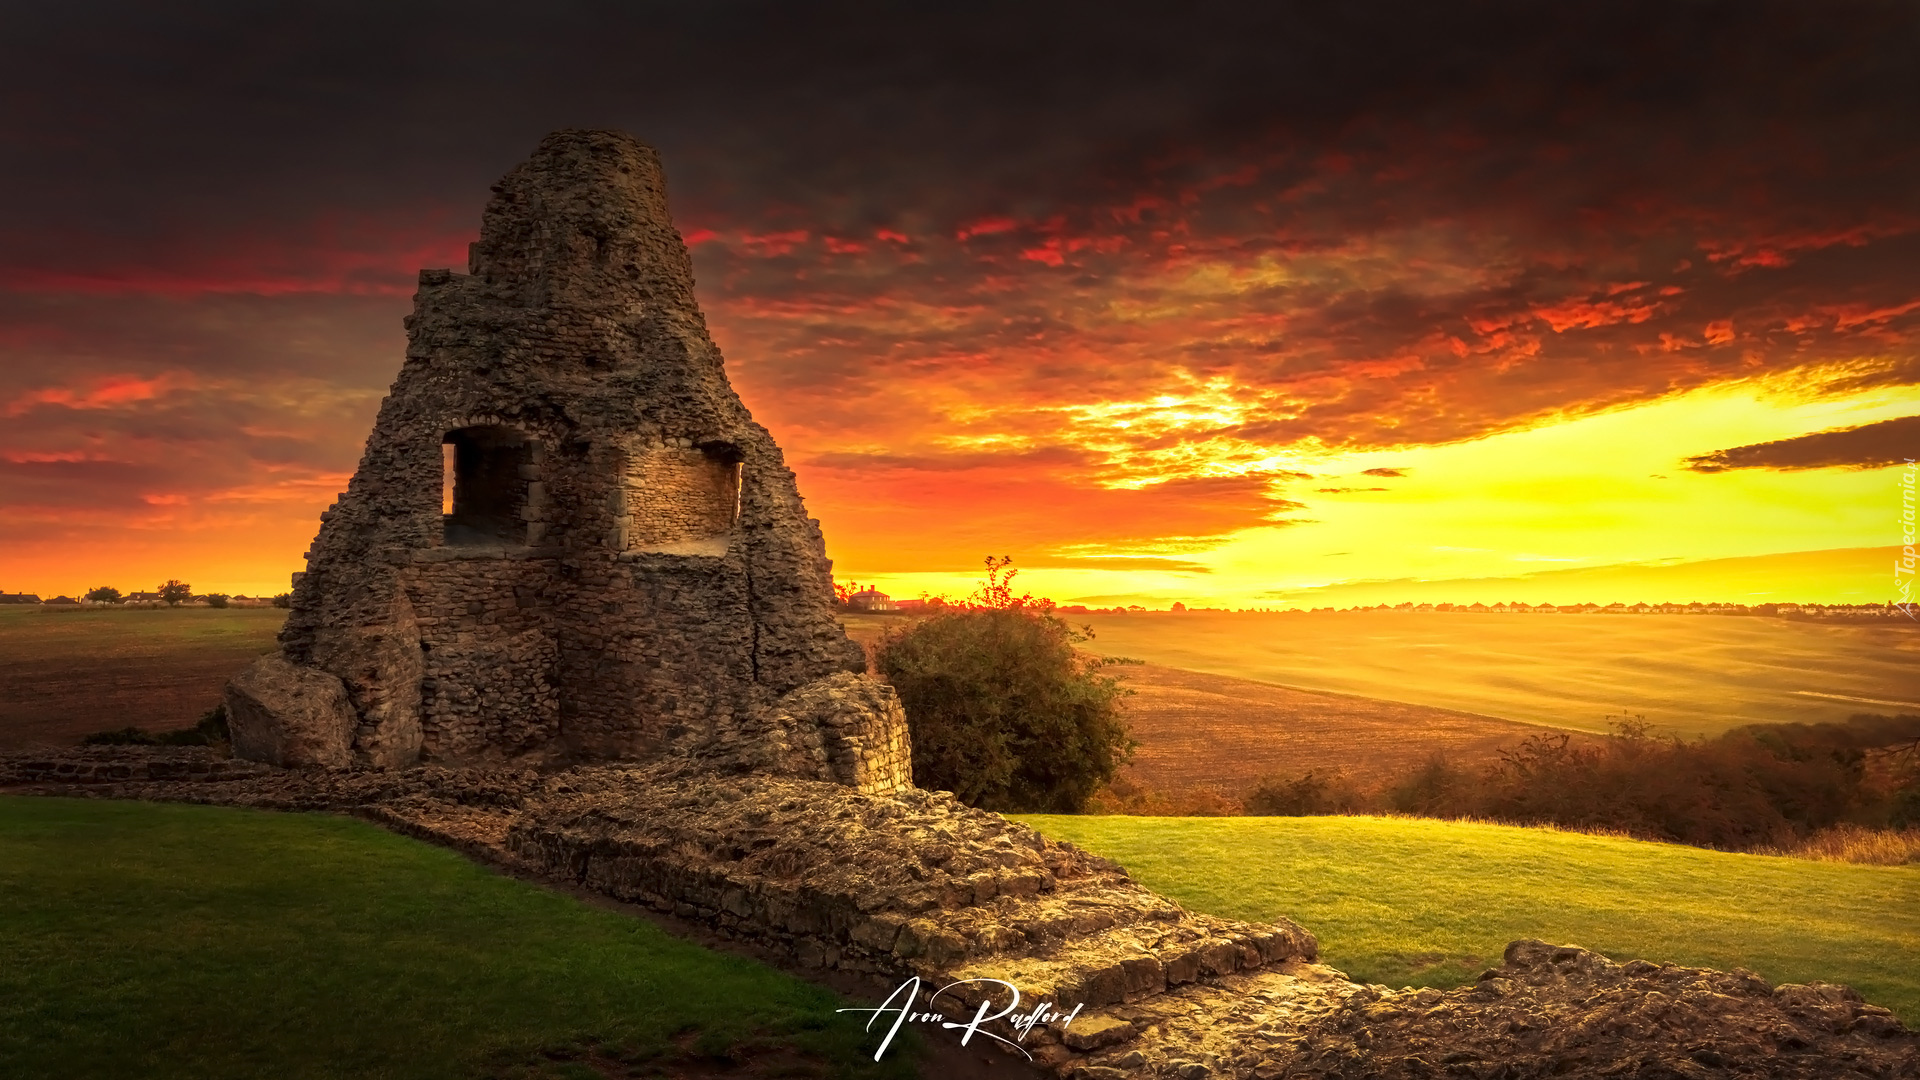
[
  {"x": 65, "y": 672},
  {"x": 1200, "y": 732},
  {"x": 1689, "y": 675},
  {"x": 1856, "y": 844}
]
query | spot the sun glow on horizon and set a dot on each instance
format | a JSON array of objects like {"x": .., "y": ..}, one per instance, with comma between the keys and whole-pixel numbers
[{"x": 1608, "y": 489}]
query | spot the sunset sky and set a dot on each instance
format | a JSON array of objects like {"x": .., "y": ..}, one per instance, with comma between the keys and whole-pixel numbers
[{"x": 1251, "y": 305}]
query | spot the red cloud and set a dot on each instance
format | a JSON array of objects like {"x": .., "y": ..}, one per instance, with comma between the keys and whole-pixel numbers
[
  {"x": 771, "y": 245},
  {"x": 1587, "y": 314},
  {"x": 985, "y": 227},
  {"x": 104, "y": 392}
]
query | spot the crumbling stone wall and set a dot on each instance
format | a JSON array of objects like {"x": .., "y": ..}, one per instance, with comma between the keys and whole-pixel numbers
[
  {"x": 679, "y": 495},
  {"x": 490, "y": 679},
  {"x": 845, "y": 728},
  {"x": 884, "y": 887},
  {"x": 626, "y": 564}
]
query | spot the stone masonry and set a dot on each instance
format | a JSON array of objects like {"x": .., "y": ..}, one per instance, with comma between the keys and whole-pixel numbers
[{"x": 567, "y": 539}]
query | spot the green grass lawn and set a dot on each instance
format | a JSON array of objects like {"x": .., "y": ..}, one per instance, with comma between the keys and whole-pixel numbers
[
  {"x": 184, "y": 941},
  {"x": 1432, "y": 903}
]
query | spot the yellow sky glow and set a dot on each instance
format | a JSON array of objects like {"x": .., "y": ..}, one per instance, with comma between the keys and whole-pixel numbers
[{"x": 1586, "y": 492}]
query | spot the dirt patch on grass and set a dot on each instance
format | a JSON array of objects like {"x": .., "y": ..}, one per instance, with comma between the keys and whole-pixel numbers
[{"x": 1209, "y": 731}]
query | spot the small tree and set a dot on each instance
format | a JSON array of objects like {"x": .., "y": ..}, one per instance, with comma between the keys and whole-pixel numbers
[
  {"x": 1004, "y": 712},
  {"x": 283, "y": 600},
  {"x": 104, "y": 594},
  {"x": 175, "y": 592},
  {"x": 217, "y": 599}
]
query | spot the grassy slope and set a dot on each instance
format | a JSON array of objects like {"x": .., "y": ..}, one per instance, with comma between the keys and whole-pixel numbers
[
  {"x": 168, "y": 940},
  {"x": 68, "y": 671},
  {"x": 1404, "y": 901},
  {"x": 1695, "y": 675},
  {"x": 42, "y": 633}
]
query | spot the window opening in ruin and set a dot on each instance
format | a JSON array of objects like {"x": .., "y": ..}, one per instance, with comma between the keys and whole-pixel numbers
[
  {"x": 490, "y": 489},
  {"x": 446, "y": 479},
  {"x": 681, "y": 497}
]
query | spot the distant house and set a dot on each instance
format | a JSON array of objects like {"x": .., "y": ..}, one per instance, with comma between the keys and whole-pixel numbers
[
  {"x": 19, "y": 598},
  {"x": 871, "y": 600},
  {"x": 143, "y": 598},
  {"x": 910, "y": 605},
  {"x": 64, "y": 601}
]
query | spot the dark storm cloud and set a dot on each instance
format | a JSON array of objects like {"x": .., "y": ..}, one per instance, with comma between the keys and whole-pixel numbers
[
  {"x": 928, "y": 236},
  {"x": 142, "y": 123},
  {"x": 1870, "y": 446}
]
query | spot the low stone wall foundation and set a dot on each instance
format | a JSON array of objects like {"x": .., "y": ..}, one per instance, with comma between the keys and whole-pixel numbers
[{"x": 823, "y": 877}]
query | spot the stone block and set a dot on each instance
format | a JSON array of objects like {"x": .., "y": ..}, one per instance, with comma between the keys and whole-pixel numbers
[
  {"x": 287, "y": 714},
  {"x": 1094, "y": 1032}
]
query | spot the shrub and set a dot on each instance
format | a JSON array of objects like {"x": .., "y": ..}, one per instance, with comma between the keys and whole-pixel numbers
[
  {"x": 1312, "y": 792},
  {"x": 283, "y": 600},
  {"x": 1759, "y": 787},
  {"x": 217, "y": 600},
  {"x": 1438, "y": 788},
  {"x": 1004, "y": 712},
  {"x": 1122, "y": 795},
  {"x": 104, "y": 594},
  {"x": 210, "y": 731},
  {"x": 126, "y": 736}
]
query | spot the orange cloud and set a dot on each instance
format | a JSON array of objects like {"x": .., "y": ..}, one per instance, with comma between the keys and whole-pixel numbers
[
  {"x": 104, "y": 392},
  {"x": 1070, "y": 300}
]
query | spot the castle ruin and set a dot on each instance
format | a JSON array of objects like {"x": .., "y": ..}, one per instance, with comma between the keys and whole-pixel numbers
[
  {"x": 567, "y": 539},
  {"x": 568, "y": 544}
]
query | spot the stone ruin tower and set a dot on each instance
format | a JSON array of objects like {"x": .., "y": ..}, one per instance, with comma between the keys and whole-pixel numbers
[{"x": 567, "y": 539}]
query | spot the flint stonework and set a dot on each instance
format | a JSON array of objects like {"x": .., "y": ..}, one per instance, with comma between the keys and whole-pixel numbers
[
  {"x": 289, "y": 715},
  {"x": 567, "y": 539}
]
